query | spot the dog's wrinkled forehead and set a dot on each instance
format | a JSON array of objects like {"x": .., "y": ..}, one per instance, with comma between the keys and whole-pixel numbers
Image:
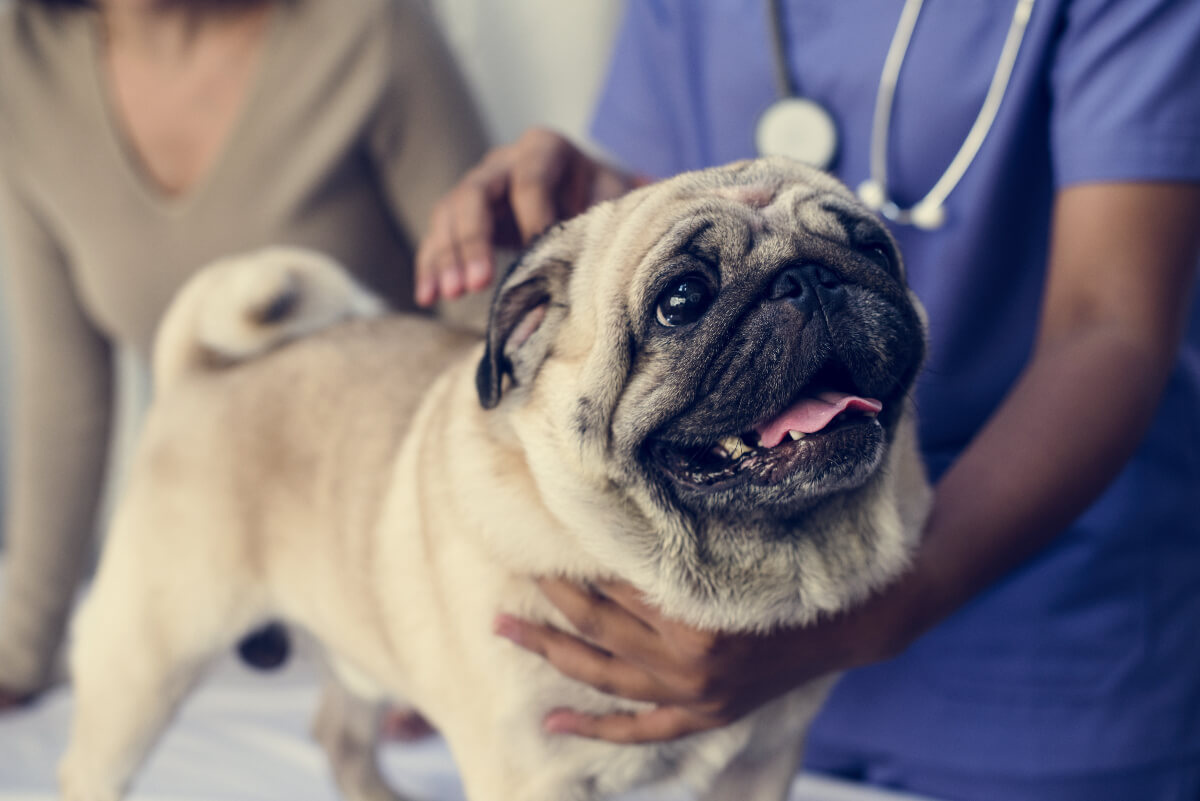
[
  {"x": 772, "y": 208},
  {"x": 772, "y": 214},
  {"x": 813, "y": 209}
]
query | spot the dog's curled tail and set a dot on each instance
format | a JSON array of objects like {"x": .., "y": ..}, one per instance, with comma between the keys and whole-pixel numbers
[{"x": 240, "y": 307}]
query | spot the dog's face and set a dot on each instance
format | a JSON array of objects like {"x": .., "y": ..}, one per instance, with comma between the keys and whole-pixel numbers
[{"x": 730, "y": 353}]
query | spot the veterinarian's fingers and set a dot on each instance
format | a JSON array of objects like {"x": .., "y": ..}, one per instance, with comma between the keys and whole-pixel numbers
[
  {"x": 478, "y": 269},
  {"x": 632, "y": 601},
  {"x": 660, "y": 724},
  {"x": 536, "y": 182},
  {"x": 600, "y": 621},
  {"x": 450, "y": 280},
  {"x": 440, "y": 268},
  {"x": 581, "y": 661},
  {"x": 472, "y": 229},
  {"x": 436, "y": 250},
  {"x": 475, "y": 223},
  {"x": 457, "y": 253},
  {"x": 693, "y": 660}
]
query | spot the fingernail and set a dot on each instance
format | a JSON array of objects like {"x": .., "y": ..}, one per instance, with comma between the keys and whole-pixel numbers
[
  {"x": 559, "y": 722},
  {"x": 425, "y": 291},
  {"x": 507, "y": 627},
  {"x": 478, "y": 272},
  {"x": 452, "y": 283}
]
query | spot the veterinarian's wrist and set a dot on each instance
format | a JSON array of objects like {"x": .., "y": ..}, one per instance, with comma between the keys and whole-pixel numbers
[{"x": 900, "y": 615}]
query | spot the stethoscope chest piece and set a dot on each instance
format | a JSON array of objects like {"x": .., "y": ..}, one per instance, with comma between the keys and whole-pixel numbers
[{"x": 799, "y": 128}]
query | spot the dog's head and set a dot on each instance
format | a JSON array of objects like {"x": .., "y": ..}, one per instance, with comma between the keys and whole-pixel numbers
[{"x": 726, "y": 358}]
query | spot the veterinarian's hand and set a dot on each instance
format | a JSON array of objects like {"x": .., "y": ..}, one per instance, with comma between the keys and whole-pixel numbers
[
  {"x": 697, "y": 680},
  {"x": 515, "y": 193}
]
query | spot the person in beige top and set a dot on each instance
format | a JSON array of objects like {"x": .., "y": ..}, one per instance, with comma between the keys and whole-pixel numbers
[{"x": 141, "y": 139}]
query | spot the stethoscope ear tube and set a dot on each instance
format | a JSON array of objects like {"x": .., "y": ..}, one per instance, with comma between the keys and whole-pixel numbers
[
  {"x": 793, "y": 126},
  {"x": 804, "y": 129}
]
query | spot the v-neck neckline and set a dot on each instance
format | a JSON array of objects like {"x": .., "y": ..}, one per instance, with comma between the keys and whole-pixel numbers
[{"x": 120, "y": 139}]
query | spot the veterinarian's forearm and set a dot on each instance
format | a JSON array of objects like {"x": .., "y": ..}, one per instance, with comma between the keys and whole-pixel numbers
[
  {"x": 1063, "y": 434},
  {"x": 1120, "y": 279}
]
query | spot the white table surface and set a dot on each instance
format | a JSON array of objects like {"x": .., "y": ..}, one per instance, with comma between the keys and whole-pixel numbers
[{"x": 243, "y": 736}]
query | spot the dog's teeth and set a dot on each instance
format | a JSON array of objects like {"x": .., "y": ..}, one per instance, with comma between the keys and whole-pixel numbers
[
  {"x": 734, "y": 447},
  {"x": 796, "y": 435}
]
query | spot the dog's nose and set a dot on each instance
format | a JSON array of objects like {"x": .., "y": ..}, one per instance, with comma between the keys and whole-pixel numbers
[{"x": 807, "y": 286}]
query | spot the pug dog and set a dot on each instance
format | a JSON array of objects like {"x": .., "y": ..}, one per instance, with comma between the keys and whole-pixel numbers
[{"x": 702, "y": 389}]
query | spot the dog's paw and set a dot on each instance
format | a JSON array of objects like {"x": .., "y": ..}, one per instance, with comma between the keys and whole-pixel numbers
[
  {"x": 70, "y": 791},
  {"x": 74, "y": 784}
]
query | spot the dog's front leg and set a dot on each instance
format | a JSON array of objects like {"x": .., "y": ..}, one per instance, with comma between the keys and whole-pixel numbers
[
  {"x": 535, "y": 788},
  {"x": 759, "y": 776},
  {"x": 505, "y": 762},
  {"x": 766, "y": 767}
]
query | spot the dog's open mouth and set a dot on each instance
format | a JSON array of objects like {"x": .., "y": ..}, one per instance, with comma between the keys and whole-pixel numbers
[{"x": 825, "y": 433}]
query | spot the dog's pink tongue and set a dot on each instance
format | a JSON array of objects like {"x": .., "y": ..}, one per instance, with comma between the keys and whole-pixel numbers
[{"x": 811, "y": 415}]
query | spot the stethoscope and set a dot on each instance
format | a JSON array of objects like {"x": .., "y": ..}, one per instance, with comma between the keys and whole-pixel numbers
[{"x": 804, "y": 129}]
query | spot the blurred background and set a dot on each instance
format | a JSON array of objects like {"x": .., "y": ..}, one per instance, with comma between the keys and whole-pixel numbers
[{"x": 517, "y": 80}]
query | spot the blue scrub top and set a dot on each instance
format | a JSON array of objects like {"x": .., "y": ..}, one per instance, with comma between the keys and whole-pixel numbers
[{"x": 1088, "y": 657}]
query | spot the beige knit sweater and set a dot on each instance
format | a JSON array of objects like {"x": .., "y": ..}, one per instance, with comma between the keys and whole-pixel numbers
[{"x": 357, "y": 122}]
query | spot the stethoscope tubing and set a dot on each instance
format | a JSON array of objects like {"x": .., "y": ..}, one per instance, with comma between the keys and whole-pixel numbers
[{"x": 929, "y": 212}]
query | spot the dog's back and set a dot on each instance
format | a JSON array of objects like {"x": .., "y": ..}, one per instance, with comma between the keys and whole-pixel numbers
[
  {"x": 266, "y": 367},
  {"x": 280, "y": 355}
]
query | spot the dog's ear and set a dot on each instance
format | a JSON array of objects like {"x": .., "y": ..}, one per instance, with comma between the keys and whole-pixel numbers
[{"x": 529, "y": 305}]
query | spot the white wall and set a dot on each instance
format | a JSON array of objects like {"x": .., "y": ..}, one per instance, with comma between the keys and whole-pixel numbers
[{"x": 532, "y": 61}]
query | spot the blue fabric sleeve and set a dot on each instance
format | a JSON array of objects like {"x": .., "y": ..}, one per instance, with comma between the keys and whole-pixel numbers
[{"x": 1126, "y": 92}]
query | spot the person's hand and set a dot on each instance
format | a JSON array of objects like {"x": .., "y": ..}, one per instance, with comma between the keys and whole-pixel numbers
[
  {"x": 514, "y": 194},
  {"x": 697, "y": 680}
]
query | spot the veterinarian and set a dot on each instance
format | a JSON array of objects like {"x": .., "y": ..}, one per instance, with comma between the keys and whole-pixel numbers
[
  {"x": 141, "y": 140},
  {"x": 1039, "y": 163}
]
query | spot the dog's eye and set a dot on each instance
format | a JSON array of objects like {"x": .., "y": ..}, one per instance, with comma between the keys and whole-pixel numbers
[
  {"x": 684, "y": 302},
  {"x": 880, "y": 255}
]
